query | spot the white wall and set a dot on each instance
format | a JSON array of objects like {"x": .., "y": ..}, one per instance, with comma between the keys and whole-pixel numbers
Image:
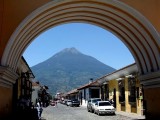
[
  {"x": 35, "y": 94},
  {"x": 86, "y": 98}
]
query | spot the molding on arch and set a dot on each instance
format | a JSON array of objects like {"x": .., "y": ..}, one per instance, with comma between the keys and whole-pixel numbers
[
  {"x": 126, "y": 23},
  {"x": 7, "y": 77},
  {"x": 151, "y": 80}
]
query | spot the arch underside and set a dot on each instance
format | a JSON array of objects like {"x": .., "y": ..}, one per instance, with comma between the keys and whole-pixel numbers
[{"x": 129, "y": 26}]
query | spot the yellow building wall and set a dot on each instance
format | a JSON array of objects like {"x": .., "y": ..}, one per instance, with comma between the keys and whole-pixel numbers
[
  {"x": 12, "y": 13},
  {"x": 139, "y": 105},
  {"x": 6, "y": 101},
  {"x": 113, "y": 84},
  {"x": 153, "y": 99},
  {"x": 127, "y": 107},
  {"x": 148, "y": 8}
]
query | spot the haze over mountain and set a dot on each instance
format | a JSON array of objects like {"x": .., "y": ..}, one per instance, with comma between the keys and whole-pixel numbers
[{"x": 69, "y": 69}]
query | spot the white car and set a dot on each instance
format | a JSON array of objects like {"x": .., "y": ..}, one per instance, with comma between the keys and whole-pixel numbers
[
  {"x": 69, "y": 103},
  {"x": 104, "y": 107}
]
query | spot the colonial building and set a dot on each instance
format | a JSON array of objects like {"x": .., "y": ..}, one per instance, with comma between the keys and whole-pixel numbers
[
  {"x": 90, "y": 90},
  {"x": 121, "y": 86},
  {"x": 22, "y": 89},
  {"x": 73, "y": 94}
]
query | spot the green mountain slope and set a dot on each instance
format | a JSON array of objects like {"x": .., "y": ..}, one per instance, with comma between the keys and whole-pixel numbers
[{"x": 69, "y": 69}]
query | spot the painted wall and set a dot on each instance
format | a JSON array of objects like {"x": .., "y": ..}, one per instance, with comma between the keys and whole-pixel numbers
[
  {"x": 6, "y": 101},
  {"x": 153, "y": 99},
  {"x": 12, "y": 13},
  {"x": 35, "y": 94},
  {"x": 149, "y": 8},
  {"x": 85, "y": 96},
  {"x": 113, "y": 84},
  {"x": 9, "y": 9},
  {"x": 127, "y": 107}
]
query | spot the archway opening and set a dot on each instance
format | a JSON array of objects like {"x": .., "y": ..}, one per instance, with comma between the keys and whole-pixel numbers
[{"x": 87, "y": 39}]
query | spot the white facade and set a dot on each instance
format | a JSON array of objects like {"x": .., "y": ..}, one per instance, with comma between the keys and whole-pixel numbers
[
  {"x": 35, "y": 90},
  {"x": 86, "y": 94}
]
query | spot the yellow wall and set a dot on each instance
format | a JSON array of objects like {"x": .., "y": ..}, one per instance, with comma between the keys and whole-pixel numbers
[
  {"x": 12, "y": 13},
  {"x": 6, "y": 101},
  {"x": 153, "y": 99},
  {"x": 113, "y": 84},
  {"x": 127, "y": 107},
  {"x": 148, "y": 8},
  {"x": 11, "y": 8}
]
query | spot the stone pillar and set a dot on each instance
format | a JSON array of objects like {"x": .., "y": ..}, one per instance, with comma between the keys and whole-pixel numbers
[
  {"x": 118, "y": 105},
  {"x": 127, "y": 105},
  {"x": 7, "y": 79},
  {"x": 138, "y": 100},
  {"x": 139, "y": 106},
  {"x": 151, "y": 86}
]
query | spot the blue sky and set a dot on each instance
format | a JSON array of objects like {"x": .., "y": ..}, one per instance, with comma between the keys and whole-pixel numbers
[{"x": 88, "y": 39}]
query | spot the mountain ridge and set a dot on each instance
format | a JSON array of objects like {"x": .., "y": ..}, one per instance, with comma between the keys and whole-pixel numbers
[{"x": 69, "y": 69}]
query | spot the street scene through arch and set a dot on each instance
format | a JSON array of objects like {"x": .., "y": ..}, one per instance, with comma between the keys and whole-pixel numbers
[{"x": 127, "y": 23}]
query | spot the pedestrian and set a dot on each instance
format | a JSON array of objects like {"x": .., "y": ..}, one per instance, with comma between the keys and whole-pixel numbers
[
  {"x": 56, "y": 104},
  {"x": 39, "y": 109},
  {"x": 111, "y": 101}
]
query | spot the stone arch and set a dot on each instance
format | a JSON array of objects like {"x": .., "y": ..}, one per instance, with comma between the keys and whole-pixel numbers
[{"x": 130, "y": 26}]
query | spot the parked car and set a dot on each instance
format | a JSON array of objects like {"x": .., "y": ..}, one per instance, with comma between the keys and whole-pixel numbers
[
  {"x": 64, "y": 102},
  {"x": 91, "y": 103},
  {"x": 75, "y": 102},
  {"x": 104, "y": 107},
  {"x": 52, "y": 103},
  {"x": 69, "y": 102}
]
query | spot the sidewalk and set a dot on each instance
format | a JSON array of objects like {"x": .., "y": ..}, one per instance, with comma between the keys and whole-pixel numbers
[{"x": 131, "y": 115}]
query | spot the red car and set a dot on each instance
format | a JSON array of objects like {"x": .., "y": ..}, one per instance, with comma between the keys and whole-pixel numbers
[{"x": 52, "y": 103}]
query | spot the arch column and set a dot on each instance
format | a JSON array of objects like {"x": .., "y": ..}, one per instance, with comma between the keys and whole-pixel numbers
[
  {"x": 151, "y": 89},
  {"x": 7, "y": 79}
]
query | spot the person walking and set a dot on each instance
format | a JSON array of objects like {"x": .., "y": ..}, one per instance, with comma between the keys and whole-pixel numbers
[
  {"x": 39, "y": 109},
  {"x": 56, "y": 103}
]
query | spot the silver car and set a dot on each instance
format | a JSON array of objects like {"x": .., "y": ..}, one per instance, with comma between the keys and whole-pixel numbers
[
  {"x": 91, "y": 104},
  {"x": 69, "y": 103}
]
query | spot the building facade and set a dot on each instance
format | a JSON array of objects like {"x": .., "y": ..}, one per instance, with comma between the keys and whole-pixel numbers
[{"x": 122, "y": 87}]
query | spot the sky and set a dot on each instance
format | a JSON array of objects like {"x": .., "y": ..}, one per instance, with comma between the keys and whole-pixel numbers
[{"x": 88, "y": 39}]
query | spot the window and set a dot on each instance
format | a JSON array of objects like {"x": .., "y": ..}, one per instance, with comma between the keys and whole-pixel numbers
[
  {"x": 121, "y": 91},
  {"x": 132, "y": 89},
  {"x": 132, "y": 96},
  {"x": 104, "y": 104},
  {"x": 122, "y": 95}
]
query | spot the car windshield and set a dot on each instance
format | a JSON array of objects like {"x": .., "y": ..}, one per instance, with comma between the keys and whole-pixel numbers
[
  {"x": 75, "y": 100},
  {"x": 95, "y": 100},
  {"x": 104, "y": 104}
]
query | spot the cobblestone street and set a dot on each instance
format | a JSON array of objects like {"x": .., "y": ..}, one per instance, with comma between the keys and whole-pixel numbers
[{"x": 63, "y": 112}]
